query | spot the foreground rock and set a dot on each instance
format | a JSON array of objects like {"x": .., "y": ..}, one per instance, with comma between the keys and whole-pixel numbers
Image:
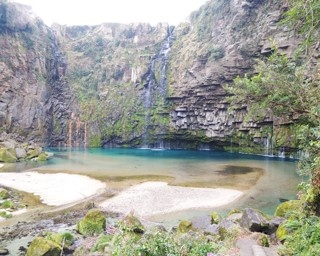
[
  {"x": 14, "y": 148},
  {"x": 94, "y": 223},
  {"x": 101, "y": 233},
  {"x": 43, "y": 247}
]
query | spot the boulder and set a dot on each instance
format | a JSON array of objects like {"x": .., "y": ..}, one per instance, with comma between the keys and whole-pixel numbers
[
  {"x": 132, "y": 224},
  {"x": 41, "y": 246},
  {"x": 42, "y": 157},
  {"x": 8, "y": 144},
  {"x": 282, "y": 232},
  {"x": 8, "y": 155},
  {"x": 94, "y": 223},
  {"x": 284, "y": 209},
  {"x": 4, "y": 194},
  {"x": 215, "y": 218},
  {"x": 236, "y": 217},
  {"x": 185, "y": 226},
  {"x": 32, "y": 153},
  {"x": 21, "y": 153},
  {"x": 65, "y": 239},
  {"x": 254, "y": 221},
  {"x": 274, "y": 223}
]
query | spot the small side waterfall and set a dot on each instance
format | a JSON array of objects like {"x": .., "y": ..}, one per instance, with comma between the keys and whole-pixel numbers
[
  {"x": 268, "y": 146},
  {"x": 156, "y": 88},
  {"x": 77, "y": 133}
]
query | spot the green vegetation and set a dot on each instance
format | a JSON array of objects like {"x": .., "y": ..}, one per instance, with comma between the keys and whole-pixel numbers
[
  {"x": 6, "y": 215},
  {"x": 304, "y": 17},
  {"x": 158, "y": 243},
  {"x": 290, "y": 88},
  {"x": 302, "y": 236}
]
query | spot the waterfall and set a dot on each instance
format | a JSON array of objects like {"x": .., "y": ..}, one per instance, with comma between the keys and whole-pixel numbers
[{"x": 156, "y": 86}]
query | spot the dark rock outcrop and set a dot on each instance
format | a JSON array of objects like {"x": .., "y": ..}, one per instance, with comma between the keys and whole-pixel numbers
[{"x": 35, "y": 100}]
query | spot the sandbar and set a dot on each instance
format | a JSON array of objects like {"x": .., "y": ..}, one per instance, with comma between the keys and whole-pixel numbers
[
  {"x": 54, "y": 189},
  {"x": 154, "y": 198}
]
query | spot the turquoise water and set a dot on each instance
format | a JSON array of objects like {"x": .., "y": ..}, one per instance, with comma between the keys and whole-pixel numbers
[{"x": 263, "y": 179}]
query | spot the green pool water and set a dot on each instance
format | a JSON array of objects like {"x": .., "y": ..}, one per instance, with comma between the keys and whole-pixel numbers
[{"x": 264, "y": 180}]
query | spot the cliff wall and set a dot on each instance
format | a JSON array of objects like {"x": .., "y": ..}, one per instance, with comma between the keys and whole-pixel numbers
[{"x": 141, "y": 85}]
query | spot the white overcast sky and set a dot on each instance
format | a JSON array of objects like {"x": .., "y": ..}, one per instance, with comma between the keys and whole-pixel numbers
[{"x": 93, "y": 12}]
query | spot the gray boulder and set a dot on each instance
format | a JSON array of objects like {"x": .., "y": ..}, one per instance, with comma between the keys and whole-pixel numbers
[
  {"x": 21, "y": 153},
  {"x": 254, "y": 221}
]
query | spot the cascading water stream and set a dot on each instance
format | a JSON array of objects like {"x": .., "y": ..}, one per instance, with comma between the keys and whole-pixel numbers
[{"x": 154, "y": 87}]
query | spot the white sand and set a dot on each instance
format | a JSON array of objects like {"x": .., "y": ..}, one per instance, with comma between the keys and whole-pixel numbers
[
  {"x": 53, "y": 189},
  {"x": 153, "y": 198}
]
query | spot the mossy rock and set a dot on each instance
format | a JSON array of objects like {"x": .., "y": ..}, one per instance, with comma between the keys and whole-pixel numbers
[
  {"x": 282, "y": 232},
  {"x": 7, "y": 155},
  {"x": 284, "y": 209},
  {"x": 8, "y": 204},
  {"x": 215, "y": 218},
  {"x": 41, "y": 246},
  {"x": 132, "y": 224},
  {"x": 32, "y": 153},
  {"x": 6, "y": 215},
  {"x": 94, "y": 223},
  {"x": 4, "y": 194},
  {"x": 42, "y": 157},
  {"x": 66, "y": 239},
  {"x": 233, "y": 211},
  {"x": 185, "y": 226}
]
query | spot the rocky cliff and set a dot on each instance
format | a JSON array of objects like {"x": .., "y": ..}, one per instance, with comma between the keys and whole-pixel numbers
[
  {"x": 141, "y": 85},
  {"x": 224, "y": 40},
  {"x": 35, "y": 101}
]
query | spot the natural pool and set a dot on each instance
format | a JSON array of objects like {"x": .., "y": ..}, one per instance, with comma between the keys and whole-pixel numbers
[{"x": 264, "y": 180}]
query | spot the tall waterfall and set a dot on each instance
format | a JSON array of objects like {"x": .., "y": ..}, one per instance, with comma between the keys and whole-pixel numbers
[{"x": 156, "y": 87}]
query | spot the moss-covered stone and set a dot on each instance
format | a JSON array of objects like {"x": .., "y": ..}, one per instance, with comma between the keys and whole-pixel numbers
[
  {"x": 4, "y": 194},
  {"x": 5, "y": 214},
  {"x": 132, "y": 224},
  {"x": 63, "y": 239},
  {"x": 94, "y": 223},
  {"x": 41, "y": 246},
  {"x": 284, "y": 209},
  {"x": 215, "y": 218},
  {"x": 7, "y": 155},
  {"x": 8, "y": 204},
  {"x": 185, "y": 226},
  {"x": 42, "y": 157},
  {"x": 32, "y": 153},
  {"x": 282, "y": 232},
  {"x": 233, "y": 211}
]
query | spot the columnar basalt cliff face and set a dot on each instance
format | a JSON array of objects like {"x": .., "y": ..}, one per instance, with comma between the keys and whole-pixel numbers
[
  {"x": 35, "y": 98},
  {"x": 224, "y": 40},
  {"x": 137, "y": 84}
]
